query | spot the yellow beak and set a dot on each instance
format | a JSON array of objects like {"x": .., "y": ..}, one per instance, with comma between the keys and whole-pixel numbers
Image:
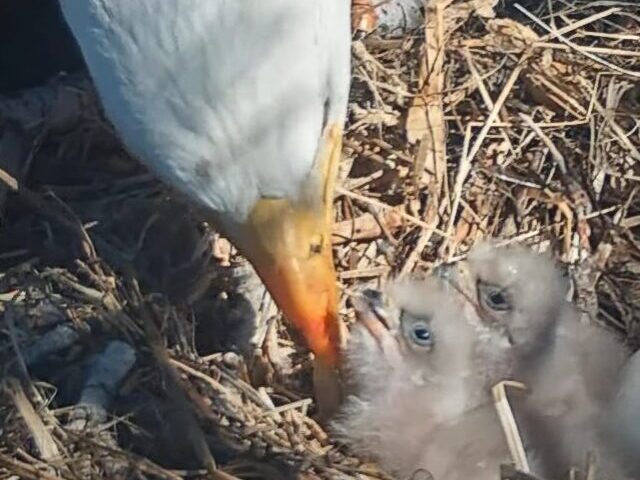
[{"x": 289, "y": 244}]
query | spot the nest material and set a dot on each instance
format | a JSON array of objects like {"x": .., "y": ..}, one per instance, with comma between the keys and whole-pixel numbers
[{"x": 520, "y": 123}]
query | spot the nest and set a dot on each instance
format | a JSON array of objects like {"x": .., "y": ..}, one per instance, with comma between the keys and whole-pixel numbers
[{"x": 518, "y": 123}]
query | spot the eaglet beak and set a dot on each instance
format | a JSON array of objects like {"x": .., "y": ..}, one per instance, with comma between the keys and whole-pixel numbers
[{"x": 289, "y": 244}]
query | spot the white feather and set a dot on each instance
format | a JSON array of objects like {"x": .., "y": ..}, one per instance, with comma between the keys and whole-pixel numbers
[{"x": 223, "y": 99}]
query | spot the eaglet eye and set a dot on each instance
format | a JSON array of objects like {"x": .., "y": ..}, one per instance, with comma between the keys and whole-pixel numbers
[
  {"x": 494, "y": 297},
  {"x": 421, "y": 335}
]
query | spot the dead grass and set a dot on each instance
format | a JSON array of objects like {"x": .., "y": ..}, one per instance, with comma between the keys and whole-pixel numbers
[{"x": 523, "y": 127}]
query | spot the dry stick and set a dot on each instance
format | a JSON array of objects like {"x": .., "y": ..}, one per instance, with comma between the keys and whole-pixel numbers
[
  {"x": 580, "y": 23},
  {"x": 14, "y": 151},
  {"x": 497, "y": 107},
  {"x": 379, "y": 204},
  {"x": 607, "y": 51},
  {"x": 43, "y": 440},
  {"x": 509, "y": 425},
  {"x": 9, "y": 181},
  {"x": 465, "y": 161},
  {"x": 178, "y": 395},
  {"x": 611, "y": 36},
  {"x": 622, "y": 137},
  {"x": 555, "y": 153},
  {"x": 523, "y": 237},
  {"x": 575, "y": 46},
  {"x": 427, "y": 110},
  {"x": 134, "y": 461},
  {"x": 37, "y": 203},
  {"x": 486, "y": 97},
  {"x": 23, "y": 370},
  {"x": 19, "y": 357},
  {"x": 366, "y": 227},
  {"x": 568, "y": 123},
  {"x": 214, "y": 384},
  {"x": 435, "y": 135},
  {"x": 559, "y": 159},
  {"x": 563, "y": 99},
  {"x": 24, "y": 470},
  {"x": 587, "y": 116}
]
